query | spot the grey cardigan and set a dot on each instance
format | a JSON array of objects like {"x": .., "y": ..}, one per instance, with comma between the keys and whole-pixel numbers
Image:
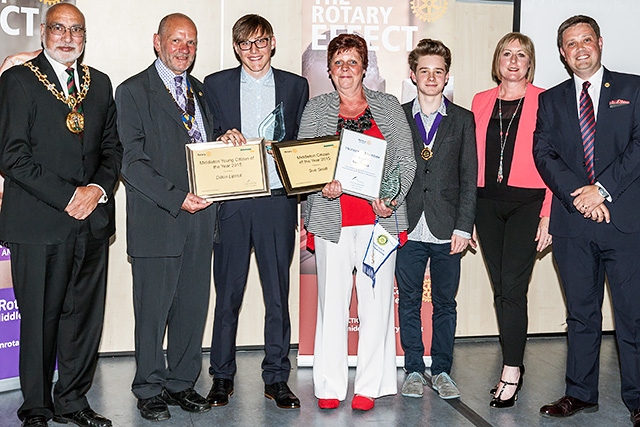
[{"x": 322, "y": 216}]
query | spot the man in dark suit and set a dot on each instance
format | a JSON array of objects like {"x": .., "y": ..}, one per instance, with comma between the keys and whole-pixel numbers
[
  {"x": 240, "y": 98},
  {"x": 169, "y": 229},
  {"x": 441, "y": 207},
  {"x": 60, "y": 154},
  {"x": 587, "y": 149}
]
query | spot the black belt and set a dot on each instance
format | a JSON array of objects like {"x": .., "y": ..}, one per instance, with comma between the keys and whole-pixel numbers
[{"x": 278, "y": 192}]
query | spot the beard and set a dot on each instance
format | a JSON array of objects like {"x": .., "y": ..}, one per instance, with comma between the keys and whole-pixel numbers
[{"x": 60, "y": 55}]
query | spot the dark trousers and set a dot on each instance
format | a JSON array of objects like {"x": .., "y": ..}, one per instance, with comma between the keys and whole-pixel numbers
[
  {"x": 172, "y": 294},
  {"x": 507, "y": 232},
  {"x": 582, "y": 263},
  {"x": 60, "y": 290},
  {"x": 266, "y": 225},
  {"x": 445, "y": 277}
]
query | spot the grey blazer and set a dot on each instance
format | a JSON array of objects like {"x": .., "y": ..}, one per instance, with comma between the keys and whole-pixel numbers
[
  {"x": 444, "y": 187},
  {"x": 322, "y": 216},
  {"x": 154, "y": 166}
]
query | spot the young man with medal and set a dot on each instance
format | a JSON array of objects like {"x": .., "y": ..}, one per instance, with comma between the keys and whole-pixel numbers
[
  {"x": 441, "y": 208},
  {"x": 60, "y": 154}
]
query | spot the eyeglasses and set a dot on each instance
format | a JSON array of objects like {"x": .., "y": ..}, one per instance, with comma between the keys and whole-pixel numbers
[
  {"x": 260, "y": 43},
  {"x": 77, "y": 32}
]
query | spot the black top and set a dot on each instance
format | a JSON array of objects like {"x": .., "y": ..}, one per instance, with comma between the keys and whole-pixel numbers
[{"x": 492, "y": 188}]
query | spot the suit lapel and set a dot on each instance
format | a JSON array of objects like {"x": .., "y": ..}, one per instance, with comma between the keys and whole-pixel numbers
[
  {"x": 442, "y": 131},
  {"x": 162, "y": 97},
  {"x": 202, "y": 104},
  {"x": 602, "y": 119}
]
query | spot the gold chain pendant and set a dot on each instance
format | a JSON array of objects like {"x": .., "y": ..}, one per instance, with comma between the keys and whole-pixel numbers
[
  {"x": 426, "y": 153},
  {"x": 75, "y": 120}
]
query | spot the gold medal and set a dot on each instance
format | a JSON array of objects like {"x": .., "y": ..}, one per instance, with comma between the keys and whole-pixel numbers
[
  {"x": 426, "y": 153},
  {"x": 75, "y": 122}
]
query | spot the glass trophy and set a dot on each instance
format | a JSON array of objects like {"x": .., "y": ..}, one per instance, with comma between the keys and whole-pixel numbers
[
  {"x": 272, "y": 127},
  {"x": 390, "y": 187}
]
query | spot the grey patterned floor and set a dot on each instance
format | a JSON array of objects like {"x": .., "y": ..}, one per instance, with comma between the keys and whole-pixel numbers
[{"x": 476, "y": 365}]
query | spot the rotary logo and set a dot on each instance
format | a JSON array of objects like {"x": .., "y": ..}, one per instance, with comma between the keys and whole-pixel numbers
[
  {"x": 382, "y": 240},
  {"x": 429, "y": 10},
  {"x": 50, "y": 2}
]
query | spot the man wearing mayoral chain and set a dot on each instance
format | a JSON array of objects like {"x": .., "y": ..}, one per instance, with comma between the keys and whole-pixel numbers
[{"x": 60, "y": 154}]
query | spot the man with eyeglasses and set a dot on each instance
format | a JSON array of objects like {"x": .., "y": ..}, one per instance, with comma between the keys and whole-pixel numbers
[
  {"x": 169, "y": 229},
  {"x": 240, "y": 98},
  {"x": 60, "y": 154}
]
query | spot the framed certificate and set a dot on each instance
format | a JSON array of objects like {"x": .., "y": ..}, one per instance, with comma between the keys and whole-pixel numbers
[
  {"x": 306, "y": 165},
  {"x": 219, "y": 171},
  {"x": 360, "y": 164}
]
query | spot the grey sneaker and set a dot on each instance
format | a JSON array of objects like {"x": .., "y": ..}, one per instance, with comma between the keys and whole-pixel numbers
[
  {"x": 445, "y": 386},
  {"x": 413, "y": 385}
]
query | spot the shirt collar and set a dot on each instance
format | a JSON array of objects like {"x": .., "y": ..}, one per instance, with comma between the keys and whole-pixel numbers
[
  {"x": 595, "y": 80},
  {"x": 415, "y": 109},
  {"x": 61, "y": 70},
  {"x": 167, "y": 76},
  {"x": 266, "y": 80}
]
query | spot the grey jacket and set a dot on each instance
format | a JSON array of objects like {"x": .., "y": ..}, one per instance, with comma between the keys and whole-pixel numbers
[
  {"x": 322, "y": 216},
  {"x": 444, "y": 187}
]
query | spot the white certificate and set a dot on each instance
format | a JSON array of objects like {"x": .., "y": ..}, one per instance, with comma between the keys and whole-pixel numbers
[{"x": 360, "y": 164}]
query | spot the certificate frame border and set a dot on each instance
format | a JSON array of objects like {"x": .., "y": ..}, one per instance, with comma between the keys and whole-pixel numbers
[
  {"x": 355, "y": 193},
  {"x": 280, "y": 163},
  {"x": 219, "y": 197}
]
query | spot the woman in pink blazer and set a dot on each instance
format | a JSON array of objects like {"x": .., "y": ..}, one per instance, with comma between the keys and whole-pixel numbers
[{"x": 512, "y": 215}]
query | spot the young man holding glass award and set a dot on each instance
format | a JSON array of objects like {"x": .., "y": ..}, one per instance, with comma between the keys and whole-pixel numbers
[{"x": 242, "y": 101}]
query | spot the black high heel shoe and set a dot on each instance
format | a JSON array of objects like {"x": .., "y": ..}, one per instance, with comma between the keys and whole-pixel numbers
[
  {"x": 493, "y": 390},
  {"x": 497, "y": 402}
]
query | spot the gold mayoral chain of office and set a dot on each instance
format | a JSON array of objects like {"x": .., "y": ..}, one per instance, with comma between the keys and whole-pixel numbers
[{"x": 75, "y": 119}]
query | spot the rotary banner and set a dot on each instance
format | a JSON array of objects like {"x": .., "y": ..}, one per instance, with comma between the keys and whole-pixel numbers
[
  {"x": 19, "y": 31},
  {"x": 391, "y": 29}
]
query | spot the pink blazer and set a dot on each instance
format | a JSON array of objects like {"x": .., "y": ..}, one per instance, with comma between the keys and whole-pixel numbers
[{"x": 523, "y": 170}]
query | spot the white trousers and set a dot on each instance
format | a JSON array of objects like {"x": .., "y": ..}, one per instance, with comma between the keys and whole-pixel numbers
[{"x": 376, "y": 372}]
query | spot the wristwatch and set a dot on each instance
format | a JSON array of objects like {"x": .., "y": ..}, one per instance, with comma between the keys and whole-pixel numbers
[{"x": 603, "y": 192}]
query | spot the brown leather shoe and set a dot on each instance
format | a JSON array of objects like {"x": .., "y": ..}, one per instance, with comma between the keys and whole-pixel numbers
[
  {"x": 567, "y": 406},
  {"x": 635, "y": 417}
]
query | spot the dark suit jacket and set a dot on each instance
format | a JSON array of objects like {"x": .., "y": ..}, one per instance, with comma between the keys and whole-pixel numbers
[
  {"x": 44, "y": 163},
  {"x": 444, "y": 187},
  {"x": 222, "y": 92},
  {"x": 154, "y": 165},
  {"x": 559, "y": 153}
]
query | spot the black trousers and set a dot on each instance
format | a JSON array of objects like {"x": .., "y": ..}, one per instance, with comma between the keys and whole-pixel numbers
[
  {"x": 266, "y": 225},
  {"x": 582, "y": 264},
  {"x": 506, "y": 231},
  {"x": 60, "y": 290}
]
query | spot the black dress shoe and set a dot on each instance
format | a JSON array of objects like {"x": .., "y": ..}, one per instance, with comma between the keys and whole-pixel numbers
[
  {"x": 635, "y": 418},
  {"x": 37, "y": 421},
  {"x": 282, "y": 394},
  {"x": 189, "y": 400},
  {"x": 567, "y": 406},
  {"x": 84, "y": 418},
  {"x": 220, "y": 391},
  {"x": 154, "y": 409}
]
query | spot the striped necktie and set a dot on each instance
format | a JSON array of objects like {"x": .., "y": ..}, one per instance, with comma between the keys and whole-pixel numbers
[
  {"x": 588, "y": 130},
  {"x": 71, "y": 88}
]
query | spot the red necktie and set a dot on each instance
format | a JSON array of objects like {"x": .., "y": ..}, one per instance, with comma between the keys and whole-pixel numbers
[{"x": 587, "y": 129}]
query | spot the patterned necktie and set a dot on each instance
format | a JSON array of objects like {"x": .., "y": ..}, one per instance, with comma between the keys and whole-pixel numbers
[
  {"x": 71, "y": 88},
  {"x": 587, "y": 129},
  {"x": 188, "y": 109}
]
